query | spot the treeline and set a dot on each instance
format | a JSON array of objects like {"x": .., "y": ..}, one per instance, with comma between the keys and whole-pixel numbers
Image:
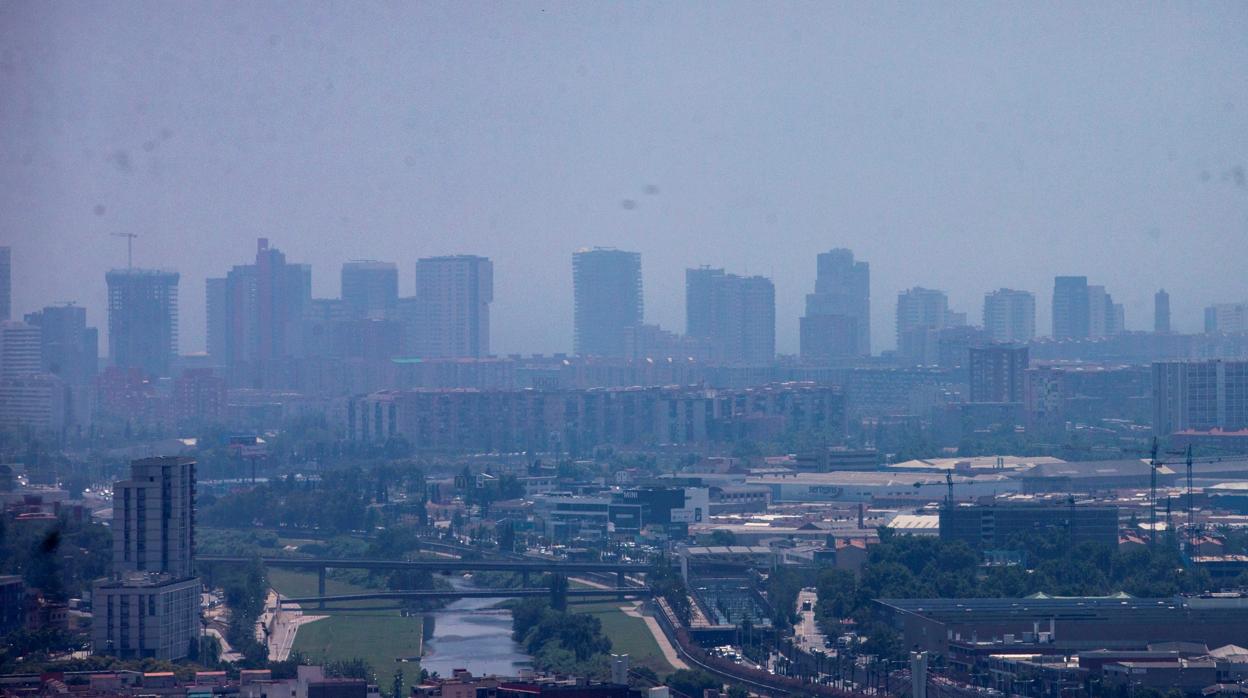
[
  {"x": 922, "y": 568},
  {"x": 338, "y": 501},
  {"x": 560, "y": 641},
  {"x": 245, "y": 590},
  {"x": 59, "y": 558}
]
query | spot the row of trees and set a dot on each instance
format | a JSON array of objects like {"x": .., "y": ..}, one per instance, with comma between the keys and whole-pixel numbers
[
  {"x": 59, "y": 558},
  {"x": 337, "y": 501},
  {"x": 559, "y": 640},
  {"x": 920, "y": 567}
]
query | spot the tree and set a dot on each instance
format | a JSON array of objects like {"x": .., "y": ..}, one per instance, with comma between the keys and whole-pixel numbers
[
  {"x": 354, "y": 668},
  {"x": 723, "y": 537},
  {"x": 643, "y": 677},
  {"x": 691, "y": 682}
]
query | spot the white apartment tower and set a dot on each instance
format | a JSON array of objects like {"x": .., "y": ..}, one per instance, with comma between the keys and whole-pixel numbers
[
  {"x": 150, "y": 606},
  {"x": 1010, "y": 315},
  {"x": 154, "y": 517},
  {"x": 453, "y": 296}
]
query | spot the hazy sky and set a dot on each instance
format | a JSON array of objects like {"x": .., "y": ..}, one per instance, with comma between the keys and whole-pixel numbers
[{"x": 957, "y": 146}]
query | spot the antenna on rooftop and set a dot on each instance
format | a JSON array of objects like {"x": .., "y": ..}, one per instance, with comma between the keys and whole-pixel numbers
[{"x": 129, "y": 247}]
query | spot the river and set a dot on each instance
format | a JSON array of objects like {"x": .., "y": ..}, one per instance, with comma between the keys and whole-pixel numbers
[{"x": 468, "y": 634}]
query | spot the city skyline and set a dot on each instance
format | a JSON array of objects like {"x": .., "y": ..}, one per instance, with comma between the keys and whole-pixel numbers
[
  {"x": 968, "y": 165},
  {"x": 391, "y": 279}
]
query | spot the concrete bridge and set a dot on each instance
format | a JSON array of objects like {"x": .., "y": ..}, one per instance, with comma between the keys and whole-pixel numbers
[
  {"x": 523, "y": 567},
  {"x": 626, "y": 592}
]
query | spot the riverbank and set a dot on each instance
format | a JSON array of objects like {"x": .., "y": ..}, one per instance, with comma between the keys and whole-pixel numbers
[
  {"x": 473, "y": 634},
  {"x": 631, "y": 633},
  {"x": 355, "y": 630}
]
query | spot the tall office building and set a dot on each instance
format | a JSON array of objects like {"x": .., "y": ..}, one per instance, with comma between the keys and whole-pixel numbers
[
  {"x": 451, "y": 315},
  {"x": 996, "y": 373},
  {"x": 6, "y": 284},
  {"x": 68, "y": 348},
  {"x": 1161, "y": 311},
  {"x": 262, "y": 301},
  {"x": 370, "y": 289},
  {"x": 701, "y": 290},
  {"x": 38, "y": 401},
  {"x": 735, "y": 315},
  {"x": 143, "y": 319},
  {"x": 1010, "y": 316},
  {"x": 1227, "y": 318},
  {"x": 1071, "y": 314},
  {"x": 922, "y": 314},
  {"x": 217, "y": 296},
  {"x": 837, "y": 322},
  {"x": 921, "y": 308},
  {"x": 20, "y": 349},
  {"x": 150, "y": 606},
  {"x": 1105, "y": 317},
  {"x": 606, "y": 285},
  {"x": 1200, "y": 395}
]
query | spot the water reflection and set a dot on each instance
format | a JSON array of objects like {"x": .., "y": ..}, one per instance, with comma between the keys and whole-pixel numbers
[{"x": 468, "y": 634}]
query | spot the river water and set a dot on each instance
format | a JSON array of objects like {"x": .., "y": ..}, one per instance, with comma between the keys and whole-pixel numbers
[{"x": 468, "y": 634}]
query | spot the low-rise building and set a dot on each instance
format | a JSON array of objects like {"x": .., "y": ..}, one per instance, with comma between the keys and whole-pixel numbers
[
  {"x": 1065, "y": 624},
  {"x": 146, "y": 615},
  {"x": 1000, "y": 525}
]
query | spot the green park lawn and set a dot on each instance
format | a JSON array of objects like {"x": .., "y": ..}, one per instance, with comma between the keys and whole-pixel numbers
[
  {"x": 628, "y": 636},
  {"x": 376, "y": 636}
]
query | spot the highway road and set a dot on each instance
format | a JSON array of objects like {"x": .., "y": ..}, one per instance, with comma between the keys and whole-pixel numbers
[{"x": 806, "y": 632}]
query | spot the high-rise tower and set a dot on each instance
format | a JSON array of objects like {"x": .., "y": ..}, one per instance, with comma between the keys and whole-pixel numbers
[
  {"x": 606, "y": 284},
  {"x": 1071, "y": 312},
  {"x": 837, "y": 322},
  {"x": 452, "y": 306},
  {"x": 1010, "y": 316},
  {"x": 370, "y": 289},
  {"x": 68, "y": 348},
  {"x": 6, "y": 284},
  {"x": 150, "y": 606},
  {"x": 143, "y": 319},
  {"x": 736, "y": 315},
  {"x": 260, "y": 302},
  {"x": 154, "y": 517},
  {"x": 1161, "y": 311}
]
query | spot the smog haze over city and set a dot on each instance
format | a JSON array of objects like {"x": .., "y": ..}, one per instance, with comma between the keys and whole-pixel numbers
[
  {"x": 964, "y": 147},
  {"x": 623, "y": 349}
]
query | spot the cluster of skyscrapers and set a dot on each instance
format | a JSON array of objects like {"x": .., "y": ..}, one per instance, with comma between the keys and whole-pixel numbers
[{"x": 263, "y": 312}]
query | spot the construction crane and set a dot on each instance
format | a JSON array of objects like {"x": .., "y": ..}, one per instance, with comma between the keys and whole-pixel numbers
[
  {"x": 129, "y": 247},
  {"x": 1189, "y": 460},
  {"x": 948, "y": 487}
]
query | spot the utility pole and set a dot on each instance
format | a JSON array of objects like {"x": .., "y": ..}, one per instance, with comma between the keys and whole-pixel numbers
[
  {"x": 1191, "y": 522},
  {"x": 1152, "y": 496},
  {"x": 1070, "y": 521},
  {"x": 129, "y": 247}
]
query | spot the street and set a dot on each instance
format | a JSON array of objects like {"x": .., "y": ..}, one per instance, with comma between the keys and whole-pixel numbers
[{"x": 806, "y": 632}]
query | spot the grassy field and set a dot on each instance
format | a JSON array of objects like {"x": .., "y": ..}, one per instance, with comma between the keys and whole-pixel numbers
[
  {"x": 376, "y": 636},
  {"x": 628, "y": 636}
]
